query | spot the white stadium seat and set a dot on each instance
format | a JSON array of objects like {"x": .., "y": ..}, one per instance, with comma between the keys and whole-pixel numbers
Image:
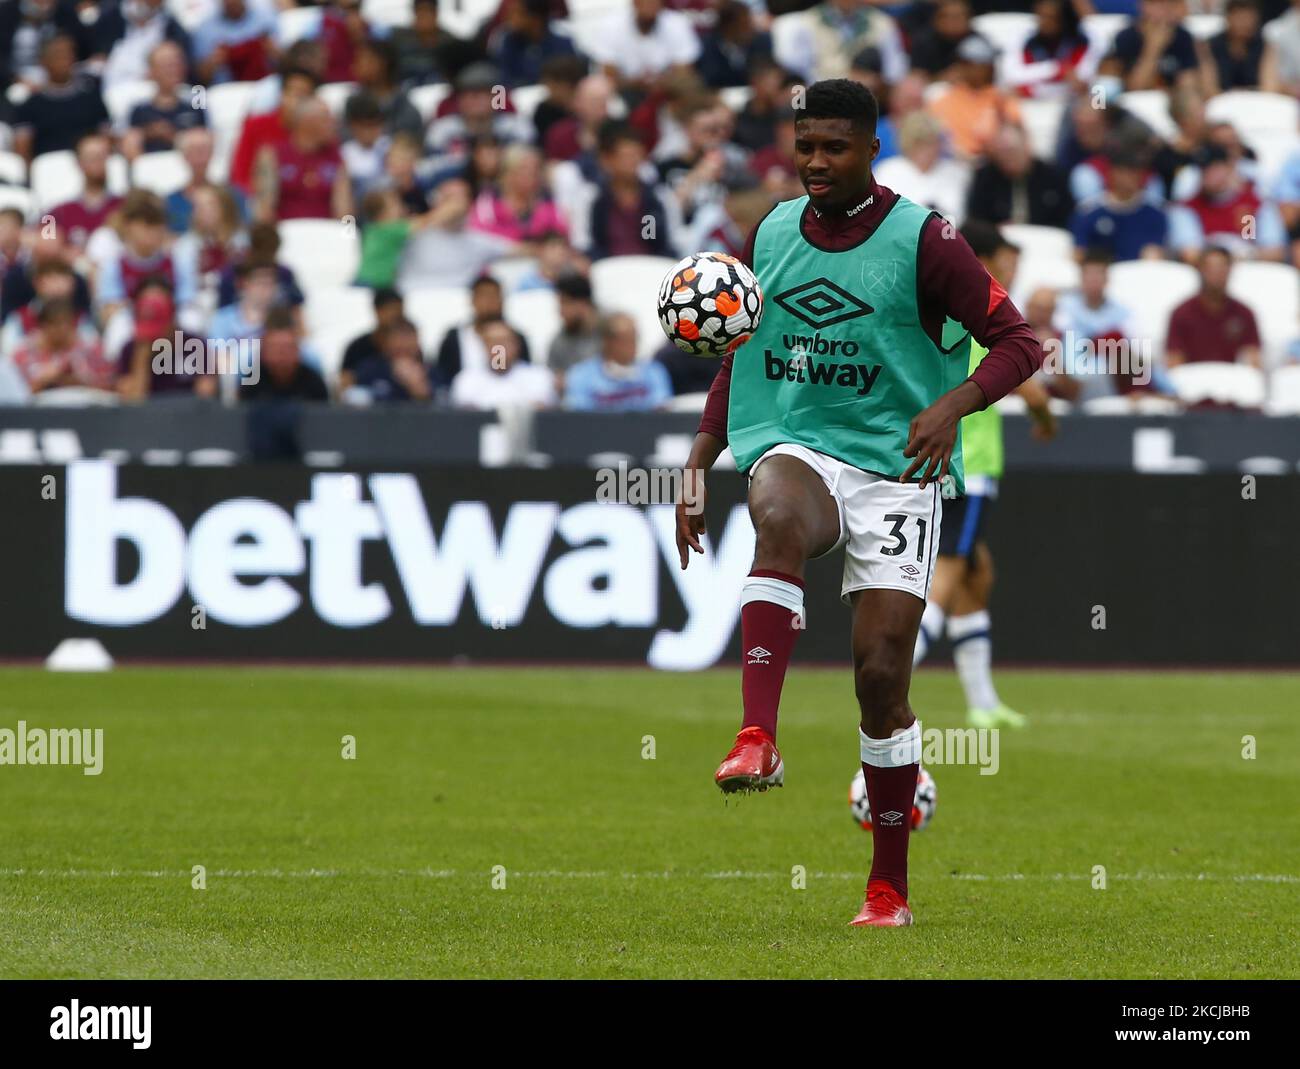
[
  {"x": 631, "y": 284},
  {"x": 1272, "y": 292},
  {"x": 1133, "y": 404},
  {"x": 1117, "y": 405},
  {"x": 390, "y": 13},
  {"x": 1151, "y": 290},
  {"x": 1203, "y": 27},
  {"x": 586, "y": 21},
  {"x": 56, "y": 178},
  {"x": 17, "y": 197},
  {"x": 1220, "y": 383},
  {"x": 122, "y": 97},
  {"x": 1042, "y": 121},
  {"x": 228, "y": 106},
  {"x": 536, "y": 315},
  {"x": 344, "y": 308},
  {"x": 1060, "y": 273},
  {"x": 322, "y": 252},
  {"x": 434, "y": 311},
  {"x": 1008, "y": 30},
  {"x": 295, "y": 24},
  {"x": 330, "y": 346},
  {"x": 335, "y": 95},
  {"x": 1039, "y": 241},
  {"x": 511, "y": 270},
  {"x": 463, "y": 18},
  {"x": 1269, "y": 123},
  {"x": 688, "y": 402},
  {"x": 1102, "y": 29},
  {"x": 13, "y": 169},
  {"x": 1284, "y": 392},
  {"x": 1152, "y": 107},
  {"x": 160, "y": 172},
  {"x": 526, "y": 98},
  {"x": 190, "y": 13},
  {"x": 426, "y": 98},
  {"x": 736, "y": 97}
]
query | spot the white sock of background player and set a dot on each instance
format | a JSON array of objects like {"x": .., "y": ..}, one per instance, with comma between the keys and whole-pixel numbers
[
  {"x": 972, "y": 649},
  {"x": 929, "y": 633}
]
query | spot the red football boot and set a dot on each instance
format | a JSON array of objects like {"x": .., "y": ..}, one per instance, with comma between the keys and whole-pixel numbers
[
  {"x": 754, "y": 763},
  {"x": 884, "y": 908}
]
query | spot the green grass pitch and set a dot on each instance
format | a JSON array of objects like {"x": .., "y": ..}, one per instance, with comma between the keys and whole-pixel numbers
[{"x": 620, "y": 866}]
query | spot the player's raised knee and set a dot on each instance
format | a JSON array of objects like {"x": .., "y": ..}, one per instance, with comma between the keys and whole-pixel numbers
[{"x": 781, "y": 529}]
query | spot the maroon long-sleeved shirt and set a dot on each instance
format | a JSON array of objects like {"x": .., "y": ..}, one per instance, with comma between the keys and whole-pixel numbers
[{"x": 951, "y": 282}]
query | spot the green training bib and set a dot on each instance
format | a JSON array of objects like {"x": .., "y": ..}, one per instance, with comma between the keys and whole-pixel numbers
[{"x": 840, "y": 362}]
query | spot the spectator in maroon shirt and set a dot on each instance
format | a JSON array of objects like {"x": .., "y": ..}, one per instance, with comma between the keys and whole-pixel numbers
[
  {"x": 260, "y": 131},
  {"x": 628, "y": 217},
  {"x": 304, "y": 177},
  {"x": 1212, "y": 326},
  {"x": 52, "y": 280},
  {"x": 80, "y": 218},
  {"x": 576, "y": 134},
  {"x": 774, "y": 164},
  {"x": 59, "y": 354},
  {"x": 160, "y": 358}
]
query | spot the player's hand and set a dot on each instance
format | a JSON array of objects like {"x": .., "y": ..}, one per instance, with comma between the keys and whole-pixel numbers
[
  {"x": 1045, "y": 426},
  {"x": 690, "y": 514},
  {"x": 930, "y": 441}
]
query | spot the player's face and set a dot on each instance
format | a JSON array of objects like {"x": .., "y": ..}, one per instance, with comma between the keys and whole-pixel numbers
[{"x": 834, "y": 161}]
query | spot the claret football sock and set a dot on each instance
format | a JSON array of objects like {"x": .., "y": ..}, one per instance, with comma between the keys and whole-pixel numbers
[
  {"x": 891, "y": 767},
  {"x": 972, "y": 649},
  {"x": 771, "y": 617},
  {"x": 930, "y": 631}
]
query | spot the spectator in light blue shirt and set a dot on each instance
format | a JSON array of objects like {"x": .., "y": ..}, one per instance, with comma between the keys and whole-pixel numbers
[
  {"x": 237, "y": 42},
  {"x": 615, "y": 381}
]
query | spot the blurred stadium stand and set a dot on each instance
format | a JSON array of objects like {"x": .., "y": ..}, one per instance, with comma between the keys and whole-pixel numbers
[{"x": 464, "y": 139}]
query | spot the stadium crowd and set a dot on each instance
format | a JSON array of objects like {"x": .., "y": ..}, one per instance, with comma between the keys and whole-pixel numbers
[{"x": 475, "y": 209}]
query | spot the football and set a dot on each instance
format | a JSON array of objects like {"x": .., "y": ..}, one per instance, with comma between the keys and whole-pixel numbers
[
  {"x": 922, "y": 804},
  {"x": 709, "y": 304}
]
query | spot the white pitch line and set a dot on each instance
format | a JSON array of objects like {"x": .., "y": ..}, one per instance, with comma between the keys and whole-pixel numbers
[{"x": 556, "y": 874}]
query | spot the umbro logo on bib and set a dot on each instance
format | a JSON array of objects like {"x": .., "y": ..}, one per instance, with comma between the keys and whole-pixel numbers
[{"x": 820, "y": 303}]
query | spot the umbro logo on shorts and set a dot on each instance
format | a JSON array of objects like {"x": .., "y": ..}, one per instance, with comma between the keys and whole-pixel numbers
[{"x": 758, "y": 655}]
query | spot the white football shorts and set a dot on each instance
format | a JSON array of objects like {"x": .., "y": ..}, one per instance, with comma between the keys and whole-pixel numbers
[{"x": 890, "y": 530}]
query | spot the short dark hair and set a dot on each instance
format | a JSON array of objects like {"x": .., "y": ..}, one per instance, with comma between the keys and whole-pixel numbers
[
  {"x": 279, "y": 318},
  {"x": 842, "y": 98},
  {"x": 363, "y": 107},
  {"x": 612, "y": 133},
  {"x": 485, "y": 280},
  {"x": 154, "y": 282},
  {"x": 569, "y": 69},
  {"x": 984, "y": 238},
  {"x": 1212, "y": 249},
  {"x": 386, "y": 295},
  {"x": 574, "y": 286},
  {"x": 1098, "y": 254}
]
